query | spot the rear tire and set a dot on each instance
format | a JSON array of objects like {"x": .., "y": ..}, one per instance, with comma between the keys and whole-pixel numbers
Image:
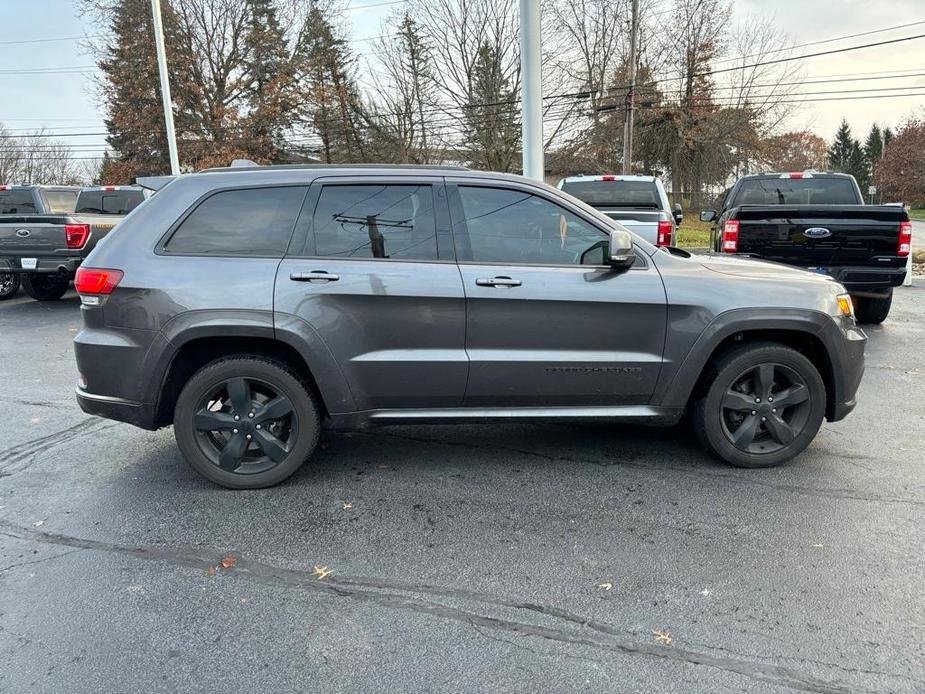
[
  {"x": 763, "y": 407},
  {"x": 9, "y": 285},
  {"x": 246, "y": 422},
  {"x": 872, "y": 311},
  {"x": 45, "y": 287}
]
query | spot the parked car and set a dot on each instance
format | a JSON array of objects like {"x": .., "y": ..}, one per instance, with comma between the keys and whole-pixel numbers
[
  {"x": 250, "y": 307},
  {"x": 639, "y": 203},
  {"x": 20, "y": 200},
  {"x": 43, "y": 246},
  {"x": 818, "y": 221}
]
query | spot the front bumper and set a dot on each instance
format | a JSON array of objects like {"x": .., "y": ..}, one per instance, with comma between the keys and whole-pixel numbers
[{"x": 846, "y": 345}]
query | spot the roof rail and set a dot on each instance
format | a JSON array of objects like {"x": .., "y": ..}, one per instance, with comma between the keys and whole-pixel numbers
[{"x": 278, "y": 167}]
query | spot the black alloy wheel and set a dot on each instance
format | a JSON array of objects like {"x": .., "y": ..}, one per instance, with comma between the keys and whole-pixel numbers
[
  {"x": 765, "y": 408},
  {"x": 762, "y": 405},
  {"x": 246, "y": 421}
]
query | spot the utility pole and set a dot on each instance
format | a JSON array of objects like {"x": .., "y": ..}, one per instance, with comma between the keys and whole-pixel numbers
[
  {"x": 532, "y": 89},
  {"x": 630, "y": 94},
  {"x": 165, "y": 87}
]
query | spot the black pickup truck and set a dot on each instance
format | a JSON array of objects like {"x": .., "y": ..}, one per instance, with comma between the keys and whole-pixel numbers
[
  {"x": 42, "y": 245},
  {"x": 819, "y": 222}
]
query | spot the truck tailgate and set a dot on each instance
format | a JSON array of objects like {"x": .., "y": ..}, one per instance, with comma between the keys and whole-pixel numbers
[
  {"x": 644, "y": 223},
  {"x": 31, "y": 234},
  {"x": 812, "y": 235}
]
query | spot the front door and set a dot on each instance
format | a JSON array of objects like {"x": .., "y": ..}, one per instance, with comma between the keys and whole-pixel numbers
[
  {"x": 547, "y": 322},
  {"x": 376, "y": 280}
]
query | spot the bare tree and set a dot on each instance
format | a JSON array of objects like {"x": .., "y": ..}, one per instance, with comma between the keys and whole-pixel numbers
[{"x": 10, "y": 157}]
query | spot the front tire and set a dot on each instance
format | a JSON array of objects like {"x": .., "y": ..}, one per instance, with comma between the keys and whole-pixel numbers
[
  {"x": 246, "y": 422},
  {"x": 871, "y": 311},
  {"x": 45, "y": 287},
  {"x": 764, "y": 406},
  {"x": 9, "y": 285}
]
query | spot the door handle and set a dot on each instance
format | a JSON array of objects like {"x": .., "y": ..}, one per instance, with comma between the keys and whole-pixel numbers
[
  {"x": 497, "y": 282},
  {"x": 313, "y": 276}
]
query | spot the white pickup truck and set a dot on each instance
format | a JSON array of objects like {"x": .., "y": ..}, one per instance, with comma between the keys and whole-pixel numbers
[{"x": 639, "y": 203}]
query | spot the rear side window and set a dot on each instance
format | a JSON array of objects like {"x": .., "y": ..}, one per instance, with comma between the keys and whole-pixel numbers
[
  {"x": 109, "y": 202},
  {"x": 254, "y": 221},
  {"x": 61, "y": 201},
  {"x": 796, "y": 191},
  {"x": 376, "y": 221},
  {"x": 17, "y": 202},
  {"x": 614, "y": 193}
]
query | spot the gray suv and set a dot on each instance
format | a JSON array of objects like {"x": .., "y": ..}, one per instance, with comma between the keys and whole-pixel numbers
[{"x": 249, "y": 307}]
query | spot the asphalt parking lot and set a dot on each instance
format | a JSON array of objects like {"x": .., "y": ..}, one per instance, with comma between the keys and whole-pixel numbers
[{"x": 506, "y": 557}]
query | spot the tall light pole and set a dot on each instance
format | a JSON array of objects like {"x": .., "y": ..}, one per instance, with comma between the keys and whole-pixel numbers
[
  {"x": 165, "y": 87},
  {"x": 631, "y": 94},
  {"x": 531, "y": 73}
]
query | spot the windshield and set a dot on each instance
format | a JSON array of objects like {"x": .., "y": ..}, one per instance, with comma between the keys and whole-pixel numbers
[
  {"x": 796, "y": 191},
  {"x": 119, "y": 202},
  {"x": 615, "y": 193},
  {"x": 17, "y": 202}
]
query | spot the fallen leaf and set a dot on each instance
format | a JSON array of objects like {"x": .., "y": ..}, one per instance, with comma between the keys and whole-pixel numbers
[
  {"x": 606, "y": 585},
  {"x": 384, "y": 467},
  {"x": 321, "y": 572},
  {"x": 229, "y": 561},
  {"x": 662, "y": 636},
  {"x": 211, "y": 571},
  {"x": 347, "y": 505}
]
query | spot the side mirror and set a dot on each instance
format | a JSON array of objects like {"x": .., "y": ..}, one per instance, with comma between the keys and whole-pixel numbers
[
  {"x": 707, "y": 215},
  {"x": 620, "y": 251},
  {"x": 678, "y": 213}
]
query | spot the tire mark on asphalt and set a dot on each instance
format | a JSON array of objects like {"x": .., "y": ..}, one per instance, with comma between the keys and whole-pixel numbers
[
  {"x": 397, "y": 595},
  {"x": 21, "y": 456},
  {"x": 851, "y": 494}
]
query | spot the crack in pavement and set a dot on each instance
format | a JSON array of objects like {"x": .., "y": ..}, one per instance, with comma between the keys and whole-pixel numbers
[
  {"x": 21, "y": 456},
  {"x": 9, "y": 567},
  {"x": 851, "y": 494},
  {"x": 405, "y": 596}
]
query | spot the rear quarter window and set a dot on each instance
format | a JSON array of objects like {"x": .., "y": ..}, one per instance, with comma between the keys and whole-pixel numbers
[
  {"x": 246, "y": 221},
  {"x": 118, "y": 202},
  {"x": 60, "y": 201},
  {"x": 17, "y": 202}
]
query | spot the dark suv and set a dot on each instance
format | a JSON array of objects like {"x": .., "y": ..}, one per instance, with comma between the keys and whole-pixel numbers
[{"x": 249, "y": 307}]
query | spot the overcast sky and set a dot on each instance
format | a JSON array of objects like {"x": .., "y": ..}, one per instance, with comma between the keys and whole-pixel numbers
[{"x": 67, "y": 102}]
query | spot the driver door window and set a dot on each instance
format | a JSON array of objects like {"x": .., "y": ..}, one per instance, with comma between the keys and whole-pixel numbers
[{"x": 518, "y": 228}]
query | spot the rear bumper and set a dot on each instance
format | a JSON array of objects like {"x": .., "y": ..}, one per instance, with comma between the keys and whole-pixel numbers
[
  {"x": 119, "y": 409},
  {"x": 868, "y": 278},
  {"x": 44, "y": 265}
]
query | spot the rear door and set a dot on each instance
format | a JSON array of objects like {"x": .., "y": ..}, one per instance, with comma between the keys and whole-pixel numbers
[
  {"x": 374, "y": 275},
  {"x": 547, "y": 322}
]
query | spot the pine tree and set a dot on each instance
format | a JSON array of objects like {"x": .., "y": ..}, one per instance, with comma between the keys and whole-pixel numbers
[
  {"x": 131, "y": 92},
  {"x": 842, "y": 148},
  {"x": 331, "y": 101},
  {"x": 858, "y": 165},
  {"x": 491, "y": 128},
  {"x": 270, "y": 98},
  {"x": 887, "y": 136},
  {"x": 873, "y": 146}
]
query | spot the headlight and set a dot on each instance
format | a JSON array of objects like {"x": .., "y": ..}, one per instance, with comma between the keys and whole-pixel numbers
[{"x": 845, "y": 305}]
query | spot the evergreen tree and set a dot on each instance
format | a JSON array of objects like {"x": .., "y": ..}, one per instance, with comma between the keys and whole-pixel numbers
[
  {"x": 842, "y": 148},
  {"x": 873, "y": 146},
  {"x": 327, "y": 85},
  {"x": 492, "y": 132},
  {"x": 887, "y": 136},
  {"x": 858, "y": 166},
  {"x": 270, "y": 98}
]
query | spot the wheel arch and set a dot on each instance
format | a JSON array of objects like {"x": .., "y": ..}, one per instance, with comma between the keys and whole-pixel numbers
[{"x": 803, "y": 331}]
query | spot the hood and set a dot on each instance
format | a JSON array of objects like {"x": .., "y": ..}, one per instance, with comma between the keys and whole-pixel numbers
[{"x": 758, "y": 269}]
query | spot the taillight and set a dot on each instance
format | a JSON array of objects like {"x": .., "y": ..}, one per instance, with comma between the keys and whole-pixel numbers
[
  {"x": 608, "y": 178},
  {"x": 904, "y": 247},
  {"x": 95, "y": 281},
  {"x": 109, "y": 189},
  {"x": 731, "y": 236},
  {"x": 665, "y": 229},
  {"x": 76, "y": 235}
]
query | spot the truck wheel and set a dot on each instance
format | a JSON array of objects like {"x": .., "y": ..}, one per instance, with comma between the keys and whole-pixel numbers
[
  {"x": 872, "y": 311},
  {"x": 45, "y": 287},
  {"x": 246, "y": 422},
  {"x": 764, "y": 406},
  {"x": 9, "y": 285}
]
